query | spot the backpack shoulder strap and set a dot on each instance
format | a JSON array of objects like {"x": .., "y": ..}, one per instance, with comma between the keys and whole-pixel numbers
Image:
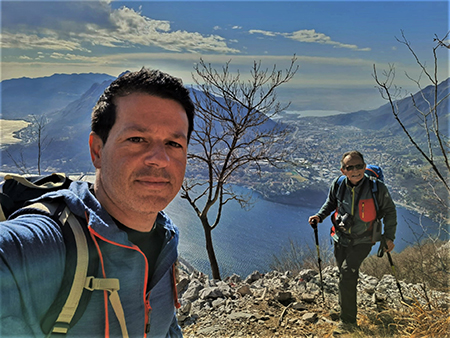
[
  {"x": 340, "y": 188},
  {"x": 72, "y": 299},
  {"x": 64, "y": 320},
  {"x": 79, "y": 274},
  {"x": 84, "y": 281},
  {"x": 374, "y": 185}
]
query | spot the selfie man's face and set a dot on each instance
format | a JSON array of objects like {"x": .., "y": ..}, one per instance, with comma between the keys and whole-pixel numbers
[{"x": 142, "y": 164}]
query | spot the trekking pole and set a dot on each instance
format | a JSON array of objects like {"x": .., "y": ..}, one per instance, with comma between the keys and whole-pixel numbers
[
  {"x": 316, "y": 235},
  {"x": 383, "y": 245},
  {"x": 395, "y": 275}
]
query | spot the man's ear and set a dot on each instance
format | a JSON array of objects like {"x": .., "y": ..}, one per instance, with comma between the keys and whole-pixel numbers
[
  {"x": 95, "y": 147},
  {"x": 342, "y": 171}
]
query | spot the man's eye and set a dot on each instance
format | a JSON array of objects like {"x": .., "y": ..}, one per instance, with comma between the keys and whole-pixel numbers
[
  {"x": 175, "y": 144},
  {"x": 135, "y": 139}
]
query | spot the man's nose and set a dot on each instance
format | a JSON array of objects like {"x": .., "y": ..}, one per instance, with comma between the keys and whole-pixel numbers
[{"x": 156, "y": 155}]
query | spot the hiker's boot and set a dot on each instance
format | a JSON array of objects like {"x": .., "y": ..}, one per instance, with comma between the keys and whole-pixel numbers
[{"x": 343, "y": 328}]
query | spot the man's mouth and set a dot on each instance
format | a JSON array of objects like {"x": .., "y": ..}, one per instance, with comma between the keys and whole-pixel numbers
[
  {"x": 155, "y": 183},
  {"x": 356, "y": 177}
]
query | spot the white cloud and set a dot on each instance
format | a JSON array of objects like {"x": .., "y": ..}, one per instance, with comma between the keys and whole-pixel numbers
[
  {"x": 309, "y": 36},
  {"x": 33, "y": 41},
  {"x": 74, "y": 57},
  {"x": 124, "y": 28},
  {"x": 266, "y": 33},
  {"x": 133, "y": 28}
]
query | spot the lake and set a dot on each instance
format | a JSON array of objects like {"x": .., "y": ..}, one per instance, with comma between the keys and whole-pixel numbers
[{"x": 246, "y": 241}]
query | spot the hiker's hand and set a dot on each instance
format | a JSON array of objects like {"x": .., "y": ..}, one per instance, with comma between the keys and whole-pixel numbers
[
  {"x": 313, "y": 220},
  {"x": 390, "y": 245}
]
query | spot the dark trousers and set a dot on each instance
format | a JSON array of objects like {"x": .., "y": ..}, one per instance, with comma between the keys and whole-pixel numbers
[{"x": 349, "y": 259}]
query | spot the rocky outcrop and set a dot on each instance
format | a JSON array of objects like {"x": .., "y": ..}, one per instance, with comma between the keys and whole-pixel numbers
[{"x": 281, "y": 304}]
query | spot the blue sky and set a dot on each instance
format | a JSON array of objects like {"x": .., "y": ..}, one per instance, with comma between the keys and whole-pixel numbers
[{"x": 336, "y": 42}]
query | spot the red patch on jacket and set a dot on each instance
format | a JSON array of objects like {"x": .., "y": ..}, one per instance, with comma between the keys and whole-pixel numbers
[{"x": 367, "y": 210}]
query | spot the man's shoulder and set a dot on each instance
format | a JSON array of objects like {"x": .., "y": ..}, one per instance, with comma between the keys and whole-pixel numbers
[
  {"x": 377, "y": 184},
  {"x": 28, "y": 221},
  {"x": 337, "y": 182},
  {"x": 40, "y": 217},
  {"x": 164, "y": 219},
  {"x": 77, "y": 198},
  {"x": 30, "y": 236},
  {"x": 32, "y": 246}
]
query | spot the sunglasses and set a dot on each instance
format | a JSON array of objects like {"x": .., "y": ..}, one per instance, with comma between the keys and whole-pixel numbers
[{"x": 354, "y": 167}]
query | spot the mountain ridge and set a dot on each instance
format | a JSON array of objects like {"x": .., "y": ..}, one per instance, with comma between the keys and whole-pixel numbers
[
  {"x": 382, "y": 118},
  {"x": 71, "y": 98},
  {"x": 22, "y": 97}
]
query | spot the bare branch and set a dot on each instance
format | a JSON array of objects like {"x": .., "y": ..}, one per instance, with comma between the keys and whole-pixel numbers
[
  {"x": 429, "y": 105},
  {"x": 234, "y": 130}
]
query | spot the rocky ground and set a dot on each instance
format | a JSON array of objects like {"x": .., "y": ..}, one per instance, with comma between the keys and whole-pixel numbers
[{"x": 286, "y": 305}]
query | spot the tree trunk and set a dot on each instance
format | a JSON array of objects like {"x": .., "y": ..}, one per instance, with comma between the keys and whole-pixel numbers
[{"x": 211, "y": 254}]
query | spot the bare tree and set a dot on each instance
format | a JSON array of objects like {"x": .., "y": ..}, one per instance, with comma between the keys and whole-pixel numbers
[
  {"x": 233, "y": 131},
  {"x": 19, "y": 161},
  {"x": 41, "y": 138},
  {"x": 430, "y": 258},
  {"x": 433, "y": 143},
  {"x": 38, "y": 137}
]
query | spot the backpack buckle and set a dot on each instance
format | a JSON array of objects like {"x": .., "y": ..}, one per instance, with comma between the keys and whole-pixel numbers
[
  {"x": 60, "y": 328},
  {"x": 109, "y": 284}
]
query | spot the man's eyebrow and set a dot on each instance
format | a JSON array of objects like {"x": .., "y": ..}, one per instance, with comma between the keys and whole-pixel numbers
[
  {"x": 141, "y": 129},
  {"x": 179, "y": 135},
  {"x": 134, "y": 127}
]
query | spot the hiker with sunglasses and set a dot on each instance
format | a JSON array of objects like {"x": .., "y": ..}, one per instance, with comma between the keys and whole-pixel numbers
[{"x": 355, "y": 212}]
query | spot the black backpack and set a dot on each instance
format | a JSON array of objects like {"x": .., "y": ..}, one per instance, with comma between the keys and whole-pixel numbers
[{"x": 81, "y": 267}]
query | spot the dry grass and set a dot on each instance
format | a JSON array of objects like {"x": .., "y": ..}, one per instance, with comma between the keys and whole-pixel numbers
[
  {"x": 414, "y": 321},
  {"x": 427, "y": 263}
]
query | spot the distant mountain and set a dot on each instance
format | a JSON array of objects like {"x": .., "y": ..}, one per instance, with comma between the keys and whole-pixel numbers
[
  {"x": 26, "y": 96},
  {"x": 68, "y": 100},
  {"x": 70, "y": 128},
  {"x": 383, "y": 119}
]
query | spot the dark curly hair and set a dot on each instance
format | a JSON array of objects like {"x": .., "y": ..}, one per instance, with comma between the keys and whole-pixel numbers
[{"x": 152, "y": 82}]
